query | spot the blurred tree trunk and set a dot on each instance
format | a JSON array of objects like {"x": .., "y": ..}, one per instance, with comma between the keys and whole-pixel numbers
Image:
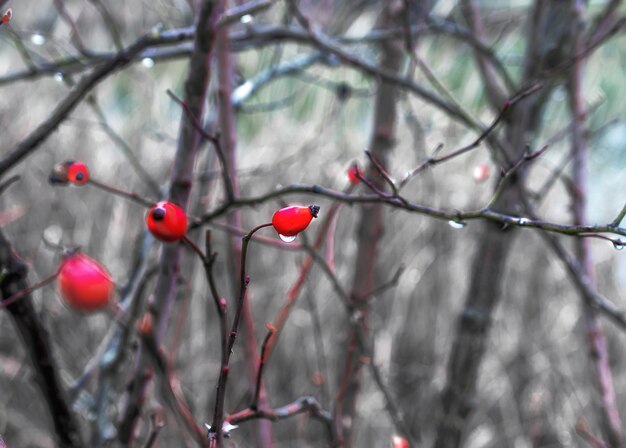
[
  {"x": 605, "y": 403},
  {"x": 370, "y": 230},
  {"x": 181, "y": 181},
  {"x": 548, "y": 34}
]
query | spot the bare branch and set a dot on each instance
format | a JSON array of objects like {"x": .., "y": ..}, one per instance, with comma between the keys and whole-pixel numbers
[{"x": 301, "y": 405}]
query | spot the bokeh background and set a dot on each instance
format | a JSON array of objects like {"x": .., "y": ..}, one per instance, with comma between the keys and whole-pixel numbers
[{"x": 534, "y": 383}]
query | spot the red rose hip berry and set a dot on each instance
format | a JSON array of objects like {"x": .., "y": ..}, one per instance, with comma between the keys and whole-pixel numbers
[
  {"x": 290, "y": 221},
  {"x": 6, "y": 17},
  {"x": 84, "y": 284},
  {"x": 69, "y": 171},
  {"x": 353, "y": 174},
  {"x": 167, "y": 221},
  {"x": 399, "y": 442},
  {"x": 78, "y": 173}
]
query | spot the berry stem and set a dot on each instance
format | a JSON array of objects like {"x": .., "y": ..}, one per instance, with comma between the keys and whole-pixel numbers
[
  {"x": 218, "y": 415},
  {"x": 127, "y": 194},
  {"x": 194, "y": 247}
]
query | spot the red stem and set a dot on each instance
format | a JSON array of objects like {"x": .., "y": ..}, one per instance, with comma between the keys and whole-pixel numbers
[
  {"x": 218, "y": 414},
  {"x": 609, "y": 417},
  {"x": 227, "y": 151}
]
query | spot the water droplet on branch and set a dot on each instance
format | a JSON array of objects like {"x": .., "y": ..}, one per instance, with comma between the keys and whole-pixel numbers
[
  {"x": 618, "y": 244},
  {"x": 287, "y": 239},
  {"x": 456, "y": 224}
]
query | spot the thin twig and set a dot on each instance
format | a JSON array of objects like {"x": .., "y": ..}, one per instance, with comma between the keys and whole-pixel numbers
[
  {"x": 299, "y": 406},
  {"x": 8, "y": 182},
  {"x": 156, "y": 424},
  {"x": 118, "y": 192},
  {"x": 506, "y": 107},
  {"x": 218, "y": 414},
  {"x": 616, "y": 222},
  {"x": 26, "y": 291},
  {"x": 175, "y": 401},
  {"x": 506, "y": 175},
  {"x": 447, "y": 215},
  {"x": 262, "y": 362},
  {"x": 214, "y": 139}
]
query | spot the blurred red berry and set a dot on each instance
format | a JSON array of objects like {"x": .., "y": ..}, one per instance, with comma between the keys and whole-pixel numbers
[
  {"x": 290, "y": 221},
  {"x": 353, "y": 172},
  {"x": 167, "y": 221},
  {"x": 84, "y": 284},
  {"x": 481, "y": 172},
  {"x": 6, "y": 17},
  {"x": 78, "y": 173},
  {"x": 69, "y": 171},
  {"x": 399, "y": 442}
]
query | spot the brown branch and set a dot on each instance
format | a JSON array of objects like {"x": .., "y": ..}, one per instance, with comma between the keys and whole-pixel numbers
[
  {"x": 109, "y": 22},
  {"x": 610, "y": 420},
  {"x": 503, "y": 219},
  {"x": 156, "y": 424},
  {"x": 267, "y": 241},
  {"x": 495, "y": 93},
  {"x": 5, "y": 184},
  {"x": 127, "y": 151},
  {"x": 119, "y": 192},
  {"x": 506, "y": 175},
  {"x": 180, "y": 186},
  {"x": 620, "y": 217},
  {"x": 300, "y": 406},
  {"x": 262, "y": 362},
  {"x": 175, "y": 401},
  {"x": 507, "y": 106},
  {"x": 218, "y": 414},
  {"x": 603, "y": 22},
  {"x": 228, "y": 141},
  {"x": 214, "y": 139},
  {"x": 75, "y": 36}
]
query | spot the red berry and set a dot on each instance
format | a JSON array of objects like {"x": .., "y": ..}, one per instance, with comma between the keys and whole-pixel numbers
[
  {"x": 290, "y": 221},
  {"x": 84, "y": 284},
  {"x": 400, "y": 442},
  {"x": 78, "y": 173},
  {"x": 352, "y": 174},
  {"x": 167, "y": 221},
  {"x": 481, "y": 172},
  {"x": 6, "y": 18}
]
